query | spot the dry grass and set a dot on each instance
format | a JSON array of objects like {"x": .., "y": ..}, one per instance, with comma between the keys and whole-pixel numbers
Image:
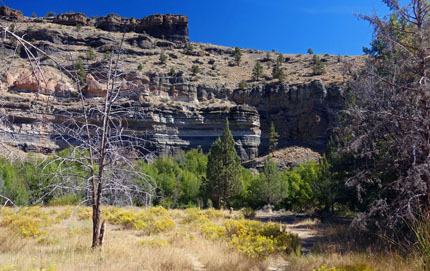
[{"x": 66, "y": 246}]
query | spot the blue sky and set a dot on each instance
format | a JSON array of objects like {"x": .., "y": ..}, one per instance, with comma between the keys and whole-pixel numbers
[{"x": 288, "y": 26}]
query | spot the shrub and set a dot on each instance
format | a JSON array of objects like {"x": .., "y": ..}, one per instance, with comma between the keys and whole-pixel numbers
[
  {"x": 91, "y": 54},
  {"x": 195, "y": 70},
  {"x": 189, "y": 48},
  {"x": 318, "y": 66},
  {"x": 310, "y": 51},
  {"x": 163, "y": 58},
  {"x": 78, "y": 27},
  {"x": 237, "y": 55},
  {"x": 140, "y": 67},
  {"x": 172, "y": 72},
  {"x": 27, "y": 222},
  {"x": 155, "y": 242},
  {"x": 50, "y": 14},
  {"x": 242, "y": 85},
  {"x": 107, "y": 55},
  {"x": 80, "y": 72},
  {"x": 259, "y": 240},
  {"x": 355, "y": 267}
]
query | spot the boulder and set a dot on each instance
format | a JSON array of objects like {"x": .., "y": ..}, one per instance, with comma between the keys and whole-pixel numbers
[
  {"x": 10, "y": 13},
  {"x": 93, "y": 86}
]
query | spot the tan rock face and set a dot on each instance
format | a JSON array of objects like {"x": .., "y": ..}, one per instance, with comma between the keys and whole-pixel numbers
[
  {"x": 72, "y": 19},
  {"x": 10, "y": 13},
  {"x": 29, "y": 81},
  {"x": 45, "y": 82},
  {"x": 9, "y": 79},
  {"x": 93, "y": 86}
]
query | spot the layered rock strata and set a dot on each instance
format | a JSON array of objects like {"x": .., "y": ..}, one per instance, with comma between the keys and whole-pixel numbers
[
  {"x": 169, "y": 105},
  {"x": 163, "y": 26}
]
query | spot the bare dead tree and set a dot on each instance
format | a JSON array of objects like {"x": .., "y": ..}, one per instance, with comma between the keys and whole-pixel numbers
[
  {"x": 100, "y": 161},
  {"x": 387, "y": 124}
]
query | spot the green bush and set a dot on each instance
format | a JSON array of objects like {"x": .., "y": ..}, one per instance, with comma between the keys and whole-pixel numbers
[
  {"x": 91, "y": 54},
  {"x": 195, "y": 70},
  {"x": 163, "y": 58}
]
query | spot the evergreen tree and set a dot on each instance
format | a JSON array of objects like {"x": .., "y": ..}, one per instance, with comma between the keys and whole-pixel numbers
[
  {"x": 278, "y": 72},
  {"x": 273, "y": 138},
  {"x": 257, "y": 71},
  {"x": 223, "y": 169},
  {"x": 237, "y": 55},
  {"x": 318, "y": 67},
  {"x": 272, "y": 188}
]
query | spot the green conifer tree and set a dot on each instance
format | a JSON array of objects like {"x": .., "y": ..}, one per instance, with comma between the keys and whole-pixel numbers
[
  {"x": 223, "y": 169},
  {"x": 237, "y": 55},
  {"x": 257, "y": 71},
  {"x": 271, "y": 187},
  {"x": 273, "y": 138}
]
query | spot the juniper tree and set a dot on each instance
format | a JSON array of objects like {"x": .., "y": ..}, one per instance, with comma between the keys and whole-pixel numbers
[
  {"x": 318, "y": 67},
  {"x": 271, "y": 188},
  {"x": 223, "y": 169},
  {"x": 278, "y": 71},
  {"x": 273, "y": 138},
  {"x": 257, "y": 71},
  {"x": 237, "y": 55}
]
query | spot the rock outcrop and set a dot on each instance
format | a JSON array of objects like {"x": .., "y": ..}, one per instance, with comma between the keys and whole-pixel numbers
[
  {"x": 72, "y": 19},
  {"x": 10, "y": 13},
  {"x": 168, "y": 27}
]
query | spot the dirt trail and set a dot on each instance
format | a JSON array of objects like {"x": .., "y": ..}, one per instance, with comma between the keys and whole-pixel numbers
[{"x": 196, "y": 264}]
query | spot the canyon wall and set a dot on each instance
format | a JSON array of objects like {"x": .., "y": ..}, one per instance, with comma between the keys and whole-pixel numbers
[{"x": 170, "y": 106}]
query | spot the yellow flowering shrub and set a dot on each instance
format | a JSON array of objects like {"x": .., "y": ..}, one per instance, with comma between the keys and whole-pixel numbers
[
  {"x": 64, "y": 214},
  {"x": 253, "y": 238},
  {"x": 212, "y": 231},
  {"x": 26, "y": 222},
  {"x": 158, "y": 211},
  {"x": 8, "y": 267},
  {"x": 154, "y": 220},
  {"x": 355, "y": 267},
  {"x": 23, "y": 225},
  {"x": 84, "y": 213},
  {"x": 213, "y": 214},
  {"x": 199, "y": 217},
  {"x": 155, "y": 242}
]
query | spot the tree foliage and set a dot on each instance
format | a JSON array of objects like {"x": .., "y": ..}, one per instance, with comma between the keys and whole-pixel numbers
[
  {"x": 237, "y": 55},
  {"x": 278, "y": 71},
  {"x": 271, "y": 189},
  {"x": 223, "y": 169},
  {"x": 385, "y": 128},
  {"x": 257, "y": 71},
  {"x": 273, "y": 138}
]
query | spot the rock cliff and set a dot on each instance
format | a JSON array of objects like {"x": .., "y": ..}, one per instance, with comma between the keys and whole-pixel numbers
[{"x": 171, "y": 105}]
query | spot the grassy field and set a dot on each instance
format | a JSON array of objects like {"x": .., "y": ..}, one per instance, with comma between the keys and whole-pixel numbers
[{"x": 59, "y": 238}]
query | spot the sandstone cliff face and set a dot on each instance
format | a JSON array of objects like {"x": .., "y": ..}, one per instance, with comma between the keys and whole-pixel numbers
[
  {"x": 170, "y": 106},
  {"x": 9, "y": 13}
]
